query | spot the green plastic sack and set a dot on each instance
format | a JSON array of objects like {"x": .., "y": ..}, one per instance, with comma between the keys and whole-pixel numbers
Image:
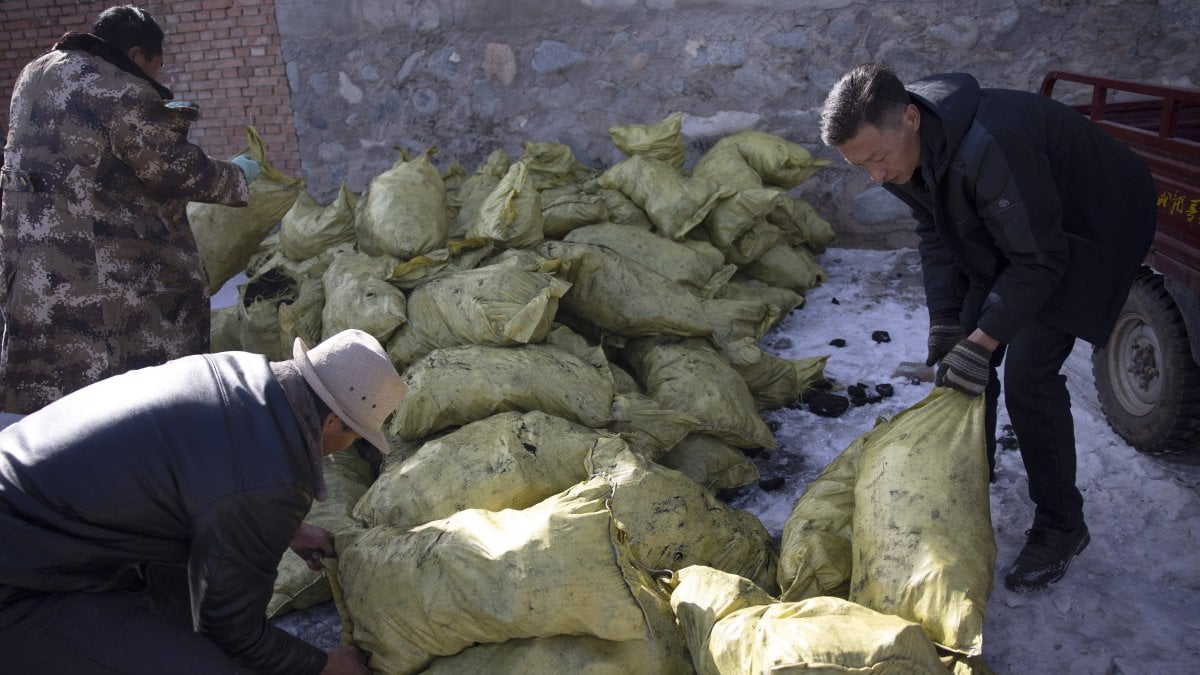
[
  {"x": 356, "y": 296},
  {"x": 228, "y": 236},
  {"x": 508, "y": 461},
  {"x": 692, "y": 377},
  {"x": 347, "y": 476},
  {"x": 258, "y": 305},
  {"x": 309, "y": 228},
  {"x": 458, "y": 385},
  {"x": 662, "y": 140},
  {"x": 560, "y": 567},
  {"x": 733, "y": 320},
  {"x": 624, "y": 297},
  {"x": 225, "y": 332},
  {"x": 733, "y": 627},
  {"x": 403, "y": 213},
  {"x": 466, "y": 201},
  {"x": 674, "y": 203},
  {"x": 801, "y": 224}
]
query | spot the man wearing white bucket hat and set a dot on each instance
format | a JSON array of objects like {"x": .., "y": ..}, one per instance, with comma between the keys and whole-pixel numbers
[{"x": 172, "y": 493}]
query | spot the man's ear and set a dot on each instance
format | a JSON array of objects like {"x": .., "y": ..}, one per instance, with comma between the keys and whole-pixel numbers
[
  {"x": 134, "y": 53},
  {"x": 912, "y": 117}
]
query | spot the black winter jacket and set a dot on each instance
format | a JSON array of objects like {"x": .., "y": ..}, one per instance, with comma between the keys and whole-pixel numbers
[
  {"x": 198, "y": 462},
  {"x": 1031, "y": 210}
]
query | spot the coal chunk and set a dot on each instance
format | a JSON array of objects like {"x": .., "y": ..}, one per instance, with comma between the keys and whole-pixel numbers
[
  {"x": 885, "y": 390},
  {"x": 881, "y": 336},
  {"x": 826, "y": 404},
  {"x": 837, "y": 342},
  {"x": 771, "y": 484}
]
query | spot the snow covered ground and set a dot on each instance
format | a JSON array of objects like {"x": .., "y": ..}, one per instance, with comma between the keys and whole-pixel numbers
[{"x": 1131, "y": 601}]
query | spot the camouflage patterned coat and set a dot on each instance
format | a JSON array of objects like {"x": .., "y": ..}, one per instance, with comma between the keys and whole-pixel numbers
[{"x": 99, "y": 272}]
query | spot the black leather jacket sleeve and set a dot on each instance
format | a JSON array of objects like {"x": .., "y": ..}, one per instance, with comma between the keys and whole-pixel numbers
[{"x": 236, "y": 549}]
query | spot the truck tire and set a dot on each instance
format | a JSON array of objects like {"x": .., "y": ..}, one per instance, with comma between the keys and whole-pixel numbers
[{"x": 1146, "y": 378}]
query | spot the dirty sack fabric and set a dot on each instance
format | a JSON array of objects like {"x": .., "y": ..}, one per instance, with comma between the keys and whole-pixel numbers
[
  {"x": 309, "y": 228},
  {"x": 403, "y": 213},
  {"x": 673, "y": 523},
  {"x": 923, "y": 543},
  {"x": 733, "y": 627},
  {"x": 790, "y": 267},
  {"x": 676, "y": 204},
  {"x": 458, "y": 385},
  {"x": 622, "y": 296},
  {"x": 711, "y": 462},
  {"x": 358, "y": 296},
  {"x": 662, "y": 140},
  {"x": 228, "y": 236},
  {"x": 492, "y": 305},
  {"x": 900, "y": 522},
  {"x": 511, "y": 216},
  {"x": 691, "y": 376},
  {"x": 560, "y": 567},
  {"x": 702, "y": 270},
  {"x": 510, "y": 460},
  {"x": 773, "y": 381}
]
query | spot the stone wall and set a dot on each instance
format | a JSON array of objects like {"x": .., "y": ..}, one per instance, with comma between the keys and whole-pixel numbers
[
  {"x": 364, "y": 77},
  {"x": 469, "y": 76}
]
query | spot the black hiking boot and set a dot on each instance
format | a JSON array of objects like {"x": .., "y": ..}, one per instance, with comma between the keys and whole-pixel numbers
[{"x": 1045, "y": 557}]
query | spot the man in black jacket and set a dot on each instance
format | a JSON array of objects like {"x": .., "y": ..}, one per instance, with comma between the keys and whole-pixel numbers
[
  {"x": 143, "y": 517},
  {"x": 1032, "y": 223}
]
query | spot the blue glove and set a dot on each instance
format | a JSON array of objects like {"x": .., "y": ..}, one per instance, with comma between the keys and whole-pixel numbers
[
  {"x": 966, "y": 368},
  {"x": 249, "y": 166},
  {"x": 182, "y": 104}
]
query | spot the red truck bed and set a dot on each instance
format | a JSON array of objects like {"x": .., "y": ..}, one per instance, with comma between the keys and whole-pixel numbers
[{"x": 1162, "y": 124}]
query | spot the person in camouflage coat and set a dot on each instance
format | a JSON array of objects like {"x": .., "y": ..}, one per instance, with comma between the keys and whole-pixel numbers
[{"x": 99, "y": 272}]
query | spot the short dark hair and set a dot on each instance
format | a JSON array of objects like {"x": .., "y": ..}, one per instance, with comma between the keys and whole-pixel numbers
[
  {"x": 868, "y": 94},
  {"x": 126, "y": 27}
]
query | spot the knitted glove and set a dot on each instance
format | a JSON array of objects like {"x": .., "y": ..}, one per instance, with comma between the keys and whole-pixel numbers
[
  {"x": 249, "y": 166},
  {"x": 965, "y": 368},
  {"x": 944, "y": 332}
]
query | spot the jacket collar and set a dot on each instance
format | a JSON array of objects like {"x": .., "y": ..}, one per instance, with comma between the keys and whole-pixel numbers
[
  {"x": 300, "y": 397},
  {"x": 947, "y": 104},
  {"x": 90, "y": 44}
]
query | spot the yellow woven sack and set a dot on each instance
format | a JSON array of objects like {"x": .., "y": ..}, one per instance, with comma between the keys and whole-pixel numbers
[
  {"x": 923, "y": 543},
  {"x": 557, "y": 568},
  {"x": 458, "y": 385},
  {"x": 507, "y": 461},
  {"x": 228, "y": 236},
  {"x": 734, "y": 628}
]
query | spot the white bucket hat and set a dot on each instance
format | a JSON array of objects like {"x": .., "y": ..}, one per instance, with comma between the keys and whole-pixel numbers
[{"x": 354, "y": 377}]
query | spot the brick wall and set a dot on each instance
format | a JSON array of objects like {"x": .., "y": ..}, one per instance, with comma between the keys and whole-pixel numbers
[{"x": 221, "y": 54}]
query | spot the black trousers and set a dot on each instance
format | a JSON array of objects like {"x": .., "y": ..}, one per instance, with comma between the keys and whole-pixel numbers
[
  {"x": 1035, "y": 394},
  {"x": 124, "y": 632}
]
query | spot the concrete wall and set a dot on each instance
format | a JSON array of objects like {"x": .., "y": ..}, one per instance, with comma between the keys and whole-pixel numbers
[{"x": 469, "y": 76}]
